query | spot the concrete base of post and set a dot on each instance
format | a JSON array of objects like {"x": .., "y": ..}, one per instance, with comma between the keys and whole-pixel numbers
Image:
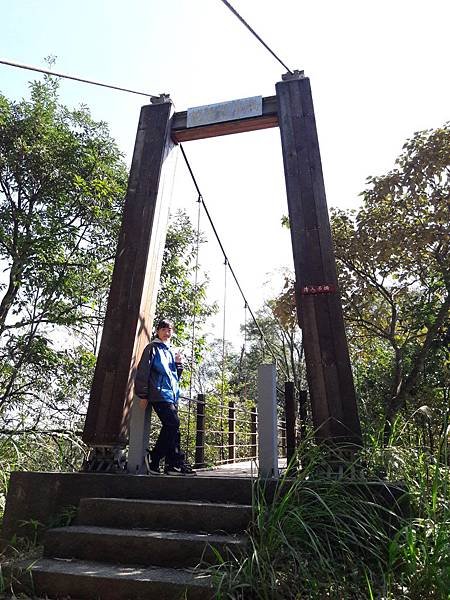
[
  {"x": 267, "y": 422},
  {"x": 139, "y": 435}
]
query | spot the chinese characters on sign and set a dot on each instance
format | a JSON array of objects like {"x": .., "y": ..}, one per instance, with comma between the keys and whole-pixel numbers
[{"x": 318, "y": 289}]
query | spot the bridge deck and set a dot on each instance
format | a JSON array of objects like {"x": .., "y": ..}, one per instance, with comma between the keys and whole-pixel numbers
[{"x": 240, "y": 469}]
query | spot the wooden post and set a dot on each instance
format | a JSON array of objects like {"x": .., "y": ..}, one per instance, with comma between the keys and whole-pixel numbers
[
  {"x": 200, "y": 432},
  {"x": 318, "y": 301},
  {"x": 132, "y": 298},
  {"x": 289, "y": 406},
  {"x": 231, "y": 432}
]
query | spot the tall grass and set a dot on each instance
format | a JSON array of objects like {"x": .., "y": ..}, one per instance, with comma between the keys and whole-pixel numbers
[
  {"x": 352, "y": 536},
  {"x": 37, "y": 452}
]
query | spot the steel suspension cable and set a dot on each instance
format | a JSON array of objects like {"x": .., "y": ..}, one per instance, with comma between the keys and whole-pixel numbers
[
  {"x": 224, "y": 353},
  {"x": 245, "y": 328},
  {"x": 243, "y": 351},
  {"x": 244, "y": 22},
  {"x": 194, "y": 314},
  {"x": 10, "y": 63},
  {"x": 224, "y": 326},
  {"x": 261, "y": 333}
]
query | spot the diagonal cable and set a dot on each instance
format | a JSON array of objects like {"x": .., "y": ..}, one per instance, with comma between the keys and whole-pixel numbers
[
  {"x": 263, "y": 338},
  {"x": 65, "y": 76},
  {"x": 244, "y": 22}
]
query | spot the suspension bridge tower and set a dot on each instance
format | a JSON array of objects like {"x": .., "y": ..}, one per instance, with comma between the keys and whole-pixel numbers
[{"x": 132, "y": 299}]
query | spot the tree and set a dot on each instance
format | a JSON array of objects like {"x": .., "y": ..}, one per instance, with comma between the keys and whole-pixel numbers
[
  {"x": 275, "y": 338},
  {"x": 182, "y": 295},
  {"x": 393, "y": 259},
  {"x": 62, "y": 184},
  {"x": 394, "y": 262}
]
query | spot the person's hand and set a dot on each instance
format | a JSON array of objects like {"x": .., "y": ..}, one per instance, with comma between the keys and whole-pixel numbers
[
  {"x": 178, "y": 357},
  {"x": 143, "y": 403}
]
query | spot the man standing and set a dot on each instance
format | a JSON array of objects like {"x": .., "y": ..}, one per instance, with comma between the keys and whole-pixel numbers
[{"x": 157, "y": 382}]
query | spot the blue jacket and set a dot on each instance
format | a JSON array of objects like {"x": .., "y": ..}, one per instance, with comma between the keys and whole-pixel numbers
[{"x": 158, "y": 374}]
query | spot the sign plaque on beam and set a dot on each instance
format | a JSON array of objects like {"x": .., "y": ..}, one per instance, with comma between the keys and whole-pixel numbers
[
  {"x": 225, "y": 118},
  {"x": 233, "y": 110}
]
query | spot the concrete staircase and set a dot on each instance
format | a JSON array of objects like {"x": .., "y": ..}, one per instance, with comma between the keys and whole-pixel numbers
[{"x": 144, "y": 548}]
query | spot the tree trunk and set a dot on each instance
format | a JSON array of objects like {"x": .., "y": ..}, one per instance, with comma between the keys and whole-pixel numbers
[
  {"x": 403, "y": 386},
  {"x": 10, "y": 294}
]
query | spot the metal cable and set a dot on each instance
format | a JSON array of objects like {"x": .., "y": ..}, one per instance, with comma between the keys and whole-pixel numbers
[
  {"x": 263, "y": 338},
  {"x": 197, "y": 247},
  {"x": 236, "y": 14},
  {"x": 223, "y": 343},
  {"x": 65, "y": 76},
  {"x": 244, "y": 350}
]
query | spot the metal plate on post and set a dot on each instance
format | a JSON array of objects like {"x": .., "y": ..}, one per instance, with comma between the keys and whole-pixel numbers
[{"x": 224, "y": 111}]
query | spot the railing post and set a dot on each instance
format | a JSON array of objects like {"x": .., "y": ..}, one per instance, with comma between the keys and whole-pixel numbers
[
  {"x": 231, "y": 431},
  {"x": 289, "y": 407},
  {"x": 200, "y": 432},
  {"x": 267, "y": 422},
  {"x": 253, "y": 435}
]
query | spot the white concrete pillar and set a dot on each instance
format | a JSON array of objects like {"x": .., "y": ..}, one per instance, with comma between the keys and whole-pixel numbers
[
  {"x": 139, "y": 437},
  {"x": 267, "y": 422}
]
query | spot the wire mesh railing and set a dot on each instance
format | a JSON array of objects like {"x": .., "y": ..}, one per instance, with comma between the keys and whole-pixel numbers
[
  {"x": 215, "y": 430},
  {"x": 218, "y": 430},
  {"x": 281, "y": 434}
]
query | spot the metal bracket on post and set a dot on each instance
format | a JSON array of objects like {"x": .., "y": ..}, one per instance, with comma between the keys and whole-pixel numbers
[
  {"x": 294, "y": 75},
  {"x": 161, "y": 99},
  {"x": 267, "y": 422},
  {"x": 139, "y": 434},
  {"x": 105, "y": 459}
]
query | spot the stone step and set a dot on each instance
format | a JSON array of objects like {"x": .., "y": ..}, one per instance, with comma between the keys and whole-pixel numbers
[
  {"x": 164, "y": 515},
  {"x": 58, "y": 491},
  {"x": 121, "y": 546},
  {"x": 88, "y": 580}
]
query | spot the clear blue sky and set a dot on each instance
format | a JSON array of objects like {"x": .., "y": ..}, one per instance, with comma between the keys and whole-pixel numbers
[{"x": 379, "y": 72}]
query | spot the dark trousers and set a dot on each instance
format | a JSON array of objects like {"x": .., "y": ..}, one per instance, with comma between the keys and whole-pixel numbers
[{"x": 168, "y": 443}]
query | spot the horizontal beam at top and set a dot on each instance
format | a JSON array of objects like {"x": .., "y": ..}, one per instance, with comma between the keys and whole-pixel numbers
[{"x": 182, "y": 133}]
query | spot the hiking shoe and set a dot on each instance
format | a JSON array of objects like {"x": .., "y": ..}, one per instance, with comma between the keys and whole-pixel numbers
[
  {"x": 183, "y": 470},
  {"x": 152, "y": 466}
]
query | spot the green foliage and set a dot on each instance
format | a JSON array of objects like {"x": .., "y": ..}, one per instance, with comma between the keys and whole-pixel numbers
[
  {"x": 182, "y": 293},
  {"x": 394, "y": 262},
  {"x": 276, "y": 339},
  {"x": 44, "y": 450},
  {"x": 393, "y": 259},
  {"x": 62, "y": 184},
  {"x": 181, "y": 297},
  {"x": 345, "y": 538}
]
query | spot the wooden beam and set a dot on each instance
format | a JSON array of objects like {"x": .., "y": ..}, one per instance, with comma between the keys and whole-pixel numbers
[
  {"x": 319, "y": 307},
  {"x": 135, "y": 282},
  {"x": 182, "y": 133}
]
